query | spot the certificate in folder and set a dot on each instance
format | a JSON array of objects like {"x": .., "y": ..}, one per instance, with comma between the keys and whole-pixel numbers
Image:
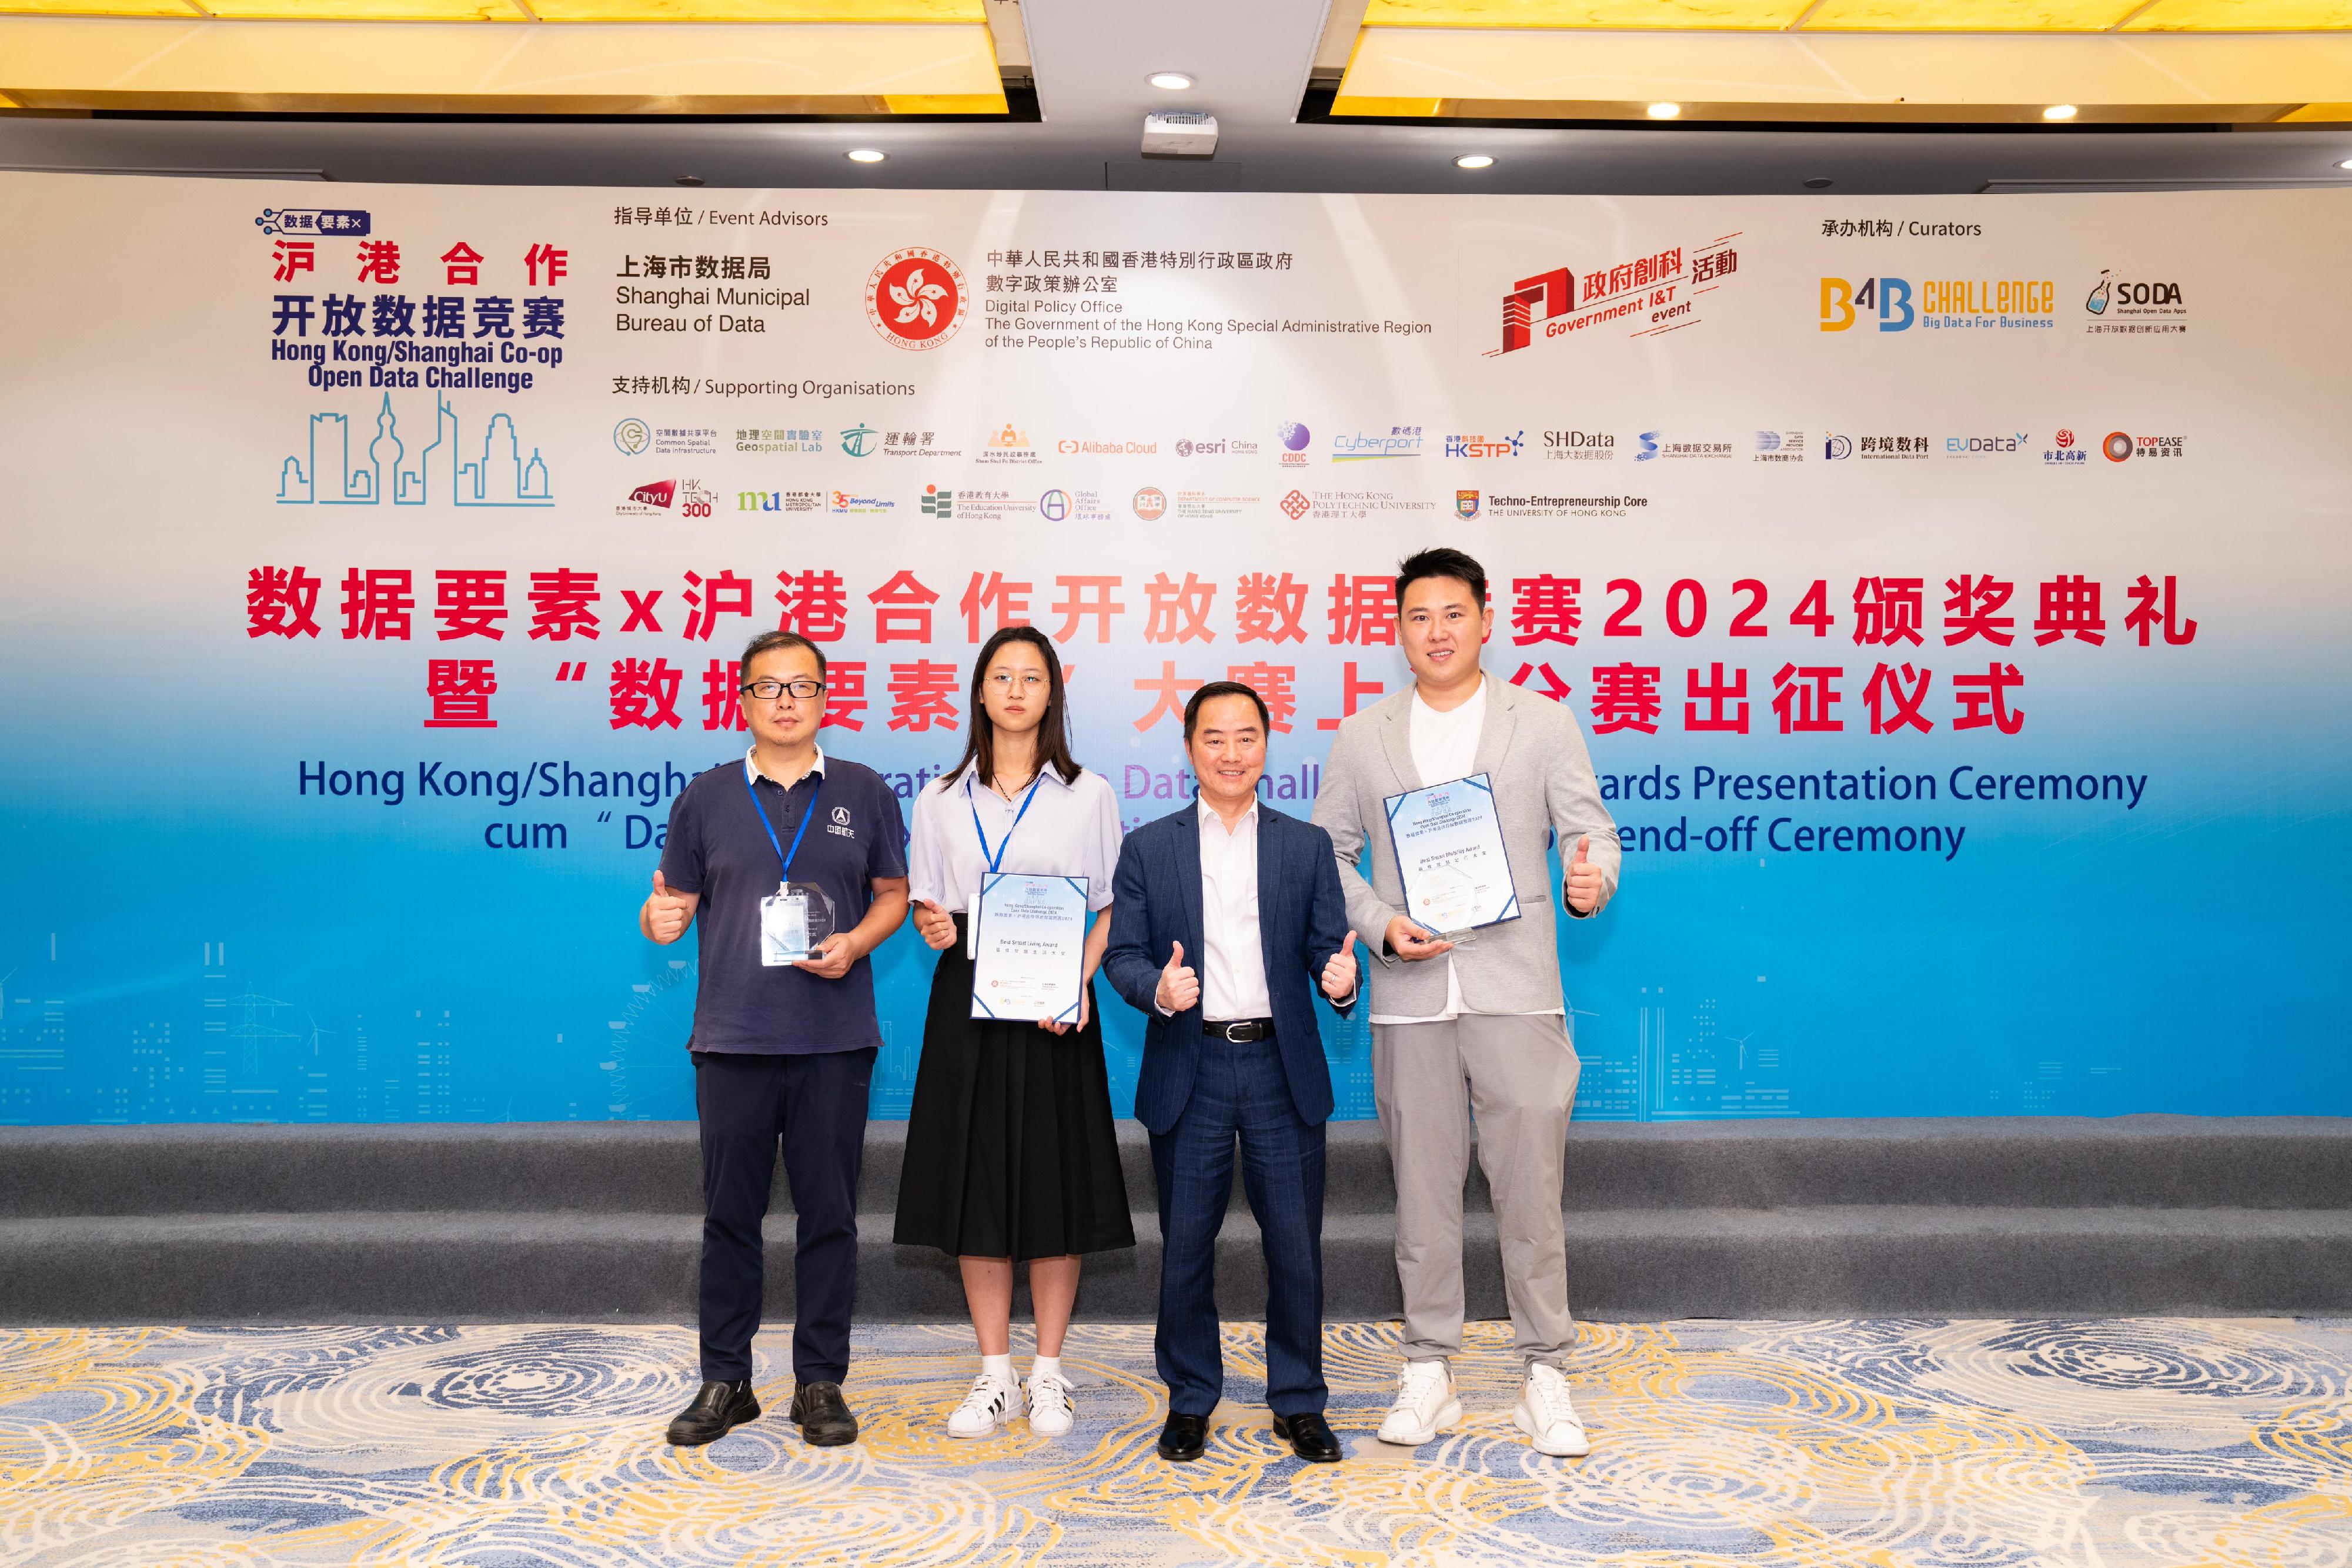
[
  {"x": 1029, "y": 945},
  {"x": 1449, "y": 848}
]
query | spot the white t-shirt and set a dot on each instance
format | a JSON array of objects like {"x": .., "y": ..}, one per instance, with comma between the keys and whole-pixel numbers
[{"x": 1445, "y": 748}]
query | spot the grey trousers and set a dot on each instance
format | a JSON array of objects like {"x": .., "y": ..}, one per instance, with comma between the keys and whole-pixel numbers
[{"x": 1516, "y": 1073}]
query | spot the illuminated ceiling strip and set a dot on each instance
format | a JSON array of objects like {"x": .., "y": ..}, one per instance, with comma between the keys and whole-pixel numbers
[
  {"x": 1565, "y": 74},
  {"x": 934, "y": 13},
  {"x": 2035, "y": 17},
  {"x": 427, "y": 68}
]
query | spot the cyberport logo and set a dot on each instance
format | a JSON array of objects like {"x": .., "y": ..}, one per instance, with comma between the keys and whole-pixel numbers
[
  {"x": 1941, "y": 302},
  {"x": 1296, "y": 438},
  {"x": 1485, "y": 445},
  {"x": 1370, "y": 446},
  {"x": 915, "y": 299},
  {"x": 343, "y": 223}
]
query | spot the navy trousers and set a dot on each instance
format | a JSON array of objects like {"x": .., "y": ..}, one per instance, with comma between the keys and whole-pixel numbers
[
  {"x": 1240, "y": 1094},
  {"x": 817, "y": 1106}
]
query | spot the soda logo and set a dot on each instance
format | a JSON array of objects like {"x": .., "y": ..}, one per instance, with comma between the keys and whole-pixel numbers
[{"x": 1842, "y": 302}]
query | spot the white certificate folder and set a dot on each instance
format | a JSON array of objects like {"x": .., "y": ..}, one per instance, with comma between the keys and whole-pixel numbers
[
  {"x": 1449, "y": 849},
  {"x": 1029, "y": 942}
]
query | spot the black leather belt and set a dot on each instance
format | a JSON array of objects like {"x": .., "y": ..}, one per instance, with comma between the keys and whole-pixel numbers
[{"x": 1241, "y": 1031}]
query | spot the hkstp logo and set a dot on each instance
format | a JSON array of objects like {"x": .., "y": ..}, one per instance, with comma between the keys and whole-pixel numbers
[{"x": 915, "y": 299}]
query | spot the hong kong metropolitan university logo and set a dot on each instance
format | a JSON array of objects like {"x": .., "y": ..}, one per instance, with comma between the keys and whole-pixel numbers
[{"x": 915, "y": 299}]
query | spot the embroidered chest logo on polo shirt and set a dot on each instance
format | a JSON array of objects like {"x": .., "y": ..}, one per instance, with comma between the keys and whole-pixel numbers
[{"x": 840, "y": 823}]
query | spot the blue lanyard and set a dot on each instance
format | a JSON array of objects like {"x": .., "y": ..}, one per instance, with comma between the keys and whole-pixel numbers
[
  {"x": 997, "y": 860},
  {"x": 783, "y": 854}
]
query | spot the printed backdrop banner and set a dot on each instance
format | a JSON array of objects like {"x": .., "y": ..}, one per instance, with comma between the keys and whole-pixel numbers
[{"x": 1953, "y": 589}]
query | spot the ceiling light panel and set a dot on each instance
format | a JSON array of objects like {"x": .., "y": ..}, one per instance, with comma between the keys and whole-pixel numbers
[
  {"x": 1967, "y": 15},
  {"x": 1770, "y": 14}
]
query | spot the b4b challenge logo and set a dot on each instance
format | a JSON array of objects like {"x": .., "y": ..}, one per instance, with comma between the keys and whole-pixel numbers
[
  {"x": 915, "y": 299},
  {"x": 1654, "y": 293}
]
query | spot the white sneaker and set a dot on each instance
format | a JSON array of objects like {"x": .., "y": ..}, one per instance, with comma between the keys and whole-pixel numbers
[
  {"x": 1425, "y": 1405},
  {"x": 1050, "y": 1413},
  {"x": 984, "y": 1409},
  {"x": 1547, "y": 1415}
]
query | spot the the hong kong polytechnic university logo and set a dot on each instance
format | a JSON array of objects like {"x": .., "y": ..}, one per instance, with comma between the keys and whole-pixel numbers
[{"x": 915, "y": 299}]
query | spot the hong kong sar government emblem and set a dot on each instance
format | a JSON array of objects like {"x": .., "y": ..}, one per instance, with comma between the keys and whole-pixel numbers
[{"x": 915, "y": 299}]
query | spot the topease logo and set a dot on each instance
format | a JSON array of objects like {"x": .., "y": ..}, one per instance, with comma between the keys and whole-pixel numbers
[
  {"x": 2117, "y": 446},
  {"x": 915, "y": 299}
]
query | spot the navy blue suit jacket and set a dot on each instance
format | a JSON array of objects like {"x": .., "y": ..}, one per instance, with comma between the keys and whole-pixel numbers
[{"x": 1302, "y": 921}]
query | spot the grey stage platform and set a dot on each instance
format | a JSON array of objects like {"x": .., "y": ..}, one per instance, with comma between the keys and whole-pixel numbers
[{"x": 2136, "y": 1215}]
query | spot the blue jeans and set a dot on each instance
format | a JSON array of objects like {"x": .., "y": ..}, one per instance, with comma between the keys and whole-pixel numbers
[{"x": 1240, "y": 1093}]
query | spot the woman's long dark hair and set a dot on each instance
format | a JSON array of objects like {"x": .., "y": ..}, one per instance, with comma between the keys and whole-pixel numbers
[{"x": 1053, "y": 730}]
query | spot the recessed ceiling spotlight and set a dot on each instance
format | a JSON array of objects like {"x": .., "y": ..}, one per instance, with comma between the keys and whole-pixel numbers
[
  {"x": 864, "y": 155},
  {"x": 1664, "y": 110},
  {"x": 1473, "y": 161},
  {"x": 689, "y": 179},
  {"x": 2060, "y": 111},
  {"x": 1820, "y": 183},
  {"x": 1169, "y": 82}
]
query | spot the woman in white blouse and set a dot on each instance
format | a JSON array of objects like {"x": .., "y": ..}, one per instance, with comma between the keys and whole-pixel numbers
[{"x": 1011, "y": 1154}]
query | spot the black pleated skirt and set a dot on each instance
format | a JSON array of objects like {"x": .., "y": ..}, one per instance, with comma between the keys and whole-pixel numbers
[{"x": 1010, "y": 1148}]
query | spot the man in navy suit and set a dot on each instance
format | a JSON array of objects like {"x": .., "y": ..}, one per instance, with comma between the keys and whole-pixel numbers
[{"x": 1225, "y": 916}]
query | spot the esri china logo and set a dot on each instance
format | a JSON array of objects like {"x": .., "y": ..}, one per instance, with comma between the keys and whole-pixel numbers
[{"x": 915, "y": 299}]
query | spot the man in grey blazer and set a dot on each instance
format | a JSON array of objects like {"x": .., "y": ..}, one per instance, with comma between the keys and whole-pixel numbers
[{"x": 1481, "y": 1027}]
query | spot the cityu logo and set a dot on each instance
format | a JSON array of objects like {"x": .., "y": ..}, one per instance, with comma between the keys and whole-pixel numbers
[
  {"x": 915, "y": 299},
  {"x": 660, "y": 493},
  {"x": 1841, "y": 301}
]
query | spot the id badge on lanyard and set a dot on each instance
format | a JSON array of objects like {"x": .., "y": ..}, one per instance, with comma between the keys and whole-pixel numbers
[
  {"x": 996, "y": 861},
  {"x": 786, "y": 930}
]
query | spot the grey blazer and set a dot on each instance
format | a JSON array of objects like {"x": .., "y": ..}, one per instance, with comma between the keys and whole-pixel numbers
[{"x": 1533, "y": 749}]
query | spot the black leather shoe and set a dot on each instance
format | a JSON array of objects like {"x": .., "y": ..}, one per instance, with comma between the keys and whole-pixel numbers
[
  {"x": 1309, "y": 1437},
  {"x": 1182, "y": 1440},
  {"x": 717, "y": 1410},
  {"x": 823, "y": 1418}
]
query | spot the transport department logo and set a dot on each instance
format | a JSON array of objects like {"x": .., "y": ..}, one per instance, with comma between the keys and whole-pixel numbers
[{"x": 915, "y": 299}]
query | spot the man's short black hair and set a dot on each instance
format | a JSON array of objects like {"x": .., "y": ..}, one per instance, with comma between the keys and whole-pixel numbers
[
  {"x": 1443, "y": 562},
  {"x": 1224, "y": 689},
  {"x": 769, "y": 641}
]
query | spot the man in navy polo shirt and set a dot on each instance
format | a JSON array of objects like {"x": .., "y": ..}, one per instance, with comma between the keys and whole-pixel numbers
[{"x": 769, "y": 852}]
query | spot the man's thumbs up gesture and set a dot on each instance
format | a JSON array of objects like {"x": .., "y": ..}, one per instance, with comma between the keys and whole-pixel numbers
[
  {"x": 1179, "y": 988},
  {"x": 1583, "y": 887},
  {"x": 666, "y": 912},
  {"x": 1339, "y": 971}
]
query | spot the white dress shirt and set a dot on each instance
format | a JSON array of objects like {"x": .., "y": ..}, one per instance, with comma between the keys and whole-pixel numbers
[
  {"x": 1232, "y": 970},
  {"x": 1445, "y": 748},
  {"x": 1072, "y": 830}
]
